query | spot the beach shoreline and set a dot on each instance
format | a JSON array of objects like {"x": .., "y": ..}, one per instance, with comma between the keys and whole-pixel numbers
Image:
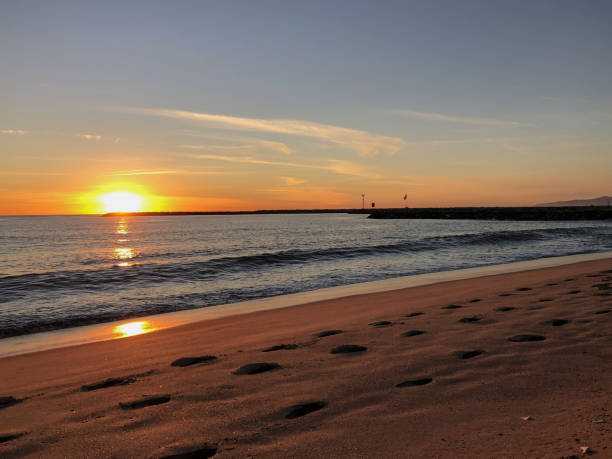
[
  {"x": 439, "y": 376},
  {"x": 52, "y": 339}
]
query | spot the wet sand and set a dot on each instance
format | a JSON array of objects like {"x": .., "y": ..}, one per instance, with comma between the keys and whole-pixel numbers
[{"x": 513, "y": 365}]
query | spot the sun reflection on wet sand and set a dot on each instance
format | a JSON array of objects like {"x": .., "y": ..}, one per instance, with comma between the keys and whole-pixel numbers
[{"x": 133, "y": 329}]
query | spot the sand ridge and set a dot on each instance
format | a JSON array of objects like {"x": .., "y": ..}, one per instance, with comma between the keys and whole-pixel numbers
[{"x": 409, "y": 378}]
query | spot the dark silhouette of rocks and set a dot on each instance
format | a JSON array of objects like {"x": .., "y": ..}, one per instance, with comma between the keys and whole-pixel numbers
[{"x": 498, "y": 213}]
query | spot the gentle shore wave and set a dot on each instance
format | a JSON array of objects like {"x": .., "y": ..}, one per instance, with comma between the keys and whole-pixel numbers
[{"x": 105, "y": 331}]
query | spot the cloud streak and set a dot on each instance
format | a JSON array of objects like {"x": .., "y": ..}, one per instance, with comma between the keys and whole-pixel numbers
[
  {"x": 333, "y": 165},
  {"x": 95, "y": 137},
  {"x": 456, "y": 119},
  {"x": 245, "y": 142},
  {"x": 169, "y": 172},
  {"x": 365, "y": 143},
  {"x": 292, "y": 181},
  {"x": 144, "y": 172},
  {"x": 89, "y": 137},
  {"x": 12, "y": 132}
]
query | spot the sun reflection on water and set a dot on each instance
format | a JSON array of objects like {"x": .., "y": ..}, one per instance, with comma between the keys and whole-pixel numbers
[
  {"x": 123, "y": 253},
  {"x": 133, "y": 329},
  {"x": 122, "y": 227}
]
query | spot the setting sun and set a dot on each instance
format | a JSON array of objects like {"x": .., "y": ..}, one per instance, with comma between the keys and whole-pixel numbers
[{"x": 121, "y": 202}]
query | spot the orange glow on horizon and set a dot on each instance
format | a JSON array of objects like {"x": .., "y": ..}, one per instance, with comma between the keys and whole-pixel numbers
[
  {"x": 118, "y": 197},
  {"x": 133, "y": 329}
]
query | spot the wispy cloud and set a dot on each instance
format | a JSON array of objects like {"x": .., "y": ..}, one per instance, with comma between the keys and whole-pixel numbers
[
  {"x": 170, "y": 172},
  {"x": 291, "y": 181},
  {"x": 214, "y": 147},
  {"x": 12, "y": 132},
  {"x": 332, "y": 165},
  {"x": 365, "y": 143},
  {"x": 278, "y": 146},
  {"x": 244, "y": 142},
  {"x": 144, "y": 172},
  {"x": 96, "y": 137},
  {"x": 249, "y": 160},
  {"x": 457, "y": 119},
  {"x": 32, "y": 173},
  {"x": 265, "y": 144},
  {"x": 89, "y": 137}
]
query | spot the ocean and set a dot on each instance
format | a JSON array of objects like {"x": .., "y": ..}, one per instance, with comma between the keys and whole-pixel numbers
[{"x": 64, "y": 271}]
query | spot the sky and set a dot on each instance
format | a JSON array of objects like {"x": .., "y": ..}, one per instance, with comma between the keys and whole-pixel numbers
[{"x": 243, "y": 105}]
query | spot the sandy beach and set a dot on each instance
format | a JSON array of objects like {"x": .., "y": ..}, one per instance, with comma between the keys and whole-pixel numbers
[{"x": 512, "y": 365}]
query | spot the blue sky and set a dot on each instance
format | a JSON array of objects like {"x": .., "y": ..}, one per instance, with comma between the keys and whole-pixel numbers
[{"x": 496, "y": 101}]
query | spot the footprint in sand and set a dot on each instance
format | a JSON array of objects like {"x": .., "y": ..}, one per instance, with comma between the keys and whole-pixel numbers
[
  {"x": 505, "y": 309},
  {"x": 451, "y": 306},
  {"x": 414, "y": 314},
  {"x": 551, "y": 284},
  {"x": 187, "y": 361},
  {"x": 475, "y": 300},
  {"x": 255, "y": 368},
  {"x": 556, "y": 322},
  {"x": 297, "y": 411},
  {"x": 8, "y": 436},
  {"x": 505, "y": 294},
  {"x": 464, "y": 355},
  {"x": 410, "y": 333},
  {"x": 414, "y": 382},
  {"x": 603, "y": 311},
  {"x": 470, "y": 320},
  {"x": 573, "y": 292},
  {"x": 145, "y": 402},
  {"x": 5, "y": 402},
  {"x": 110, "y": 382},
  {"x": 544, "y": 300},
  {"x": 200, "y": 453},
  {"x": 280, "y": 347},
  {"x": 526, "y": 338},
  {"x": 325, "y": 333},
  {"x": 523, "y": 289},
  {"x": 348, "y": 349},
  {"x": 382, "y": 323}
]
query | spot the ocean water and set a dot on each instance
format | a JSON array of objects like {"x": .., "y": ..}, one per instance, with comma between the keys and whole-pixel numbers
[{"x": 64, "y": 271}]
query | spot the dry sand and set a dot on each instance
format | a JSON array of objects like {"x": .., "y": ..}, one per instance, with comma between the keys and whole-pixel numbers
[{"x": 459, "y": 389}]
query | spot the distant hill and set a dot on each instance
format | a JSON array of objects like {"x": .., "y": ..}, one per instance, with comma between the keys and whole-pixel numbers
[{"x": 601, "y": 201}]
